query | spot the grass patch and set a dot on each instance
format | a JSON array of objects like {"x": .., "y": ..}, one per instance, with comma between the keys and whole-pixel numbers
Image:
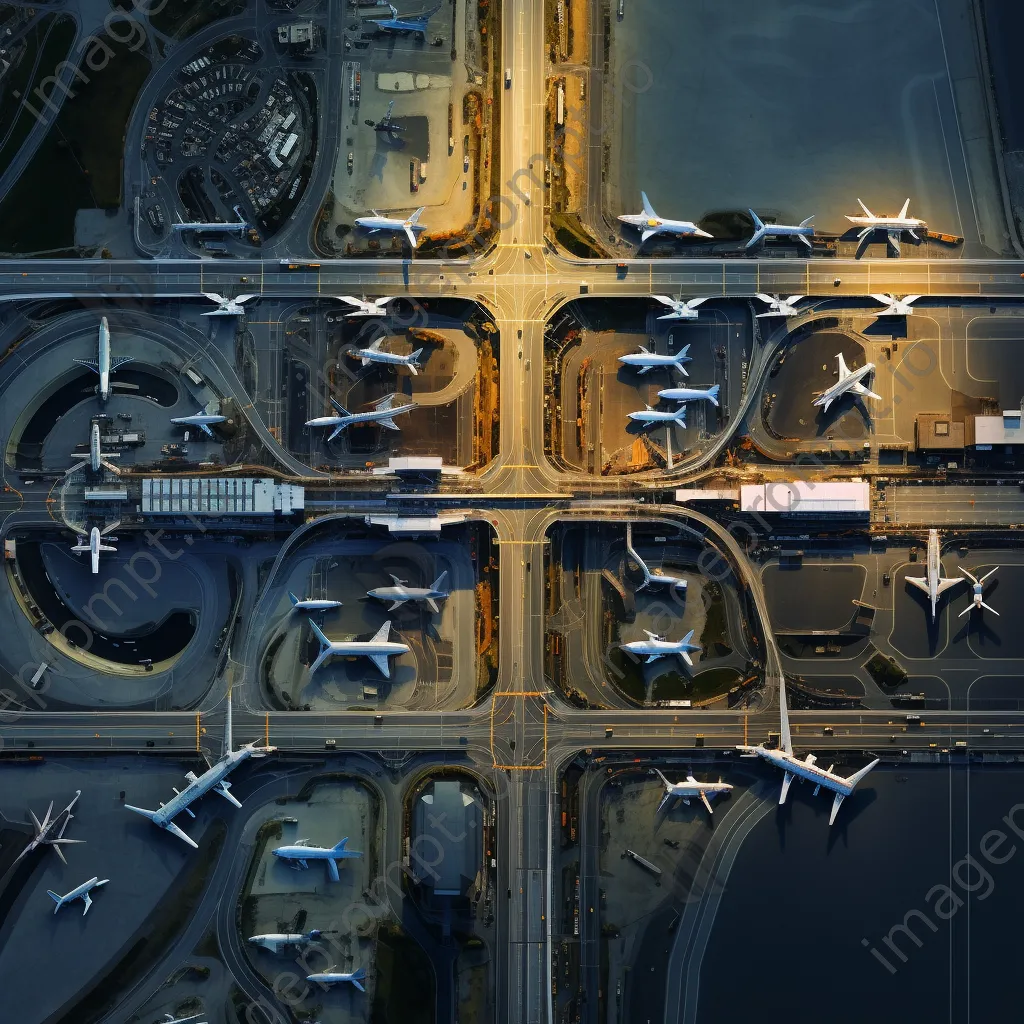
[
  {"x": 180, "y": 19},
  {"x": 404, "y": 989},
  {"x": 886, "y": 671},
  {"x": 574, "y": 238}
]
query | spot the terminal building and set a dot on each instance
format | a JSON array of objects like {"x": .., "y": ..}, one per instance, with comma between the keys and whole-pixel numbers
[
  {"x": 808, "y": 499},
  {"x": 446, "y": 849}
]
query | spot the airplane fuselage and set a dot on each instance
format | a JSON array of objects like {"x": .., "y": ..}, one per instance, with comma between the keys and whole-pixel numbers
[
  {"x": 375, "y": 355},
  {"x": 654, "y": 649},
  {"x": 690, "y": 394},
  {"x": 401, "y": 594},
  {"x": 373, "y": 416},
  {"x": 315, "y": 605},
  {"x": 840, "y": 388},
  {"x": 803, "y": 768},
  {"x": 103, "y": 359},
  {"x": 659, "y": 226},
  {"x": 658, "y": 416},
  {"x": 888, "y": 223},
  {"x": 651, "y": 359},
  {"x": 366, "y": 648}
]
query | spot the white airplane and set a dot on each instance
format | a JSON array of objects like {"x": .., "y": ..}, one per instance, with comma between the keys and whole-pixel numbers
[
  {"x": 95, "y": 545},
  {"x": 383, "y": 413},
  {"x": 806, "y": 768},
  {"x": 378, "y": 650},
  {"x": 276, "y": 941},
  {"x": 227, "y": 307},
  {"x": 410, "y": 225},
  {"x": 201, "y": 420},
  {"x": 333, "y": 977},
  {"x": 896, "y": 306},
  {"x": 375, "y": 354},
  {"x": 655, "y": 647},
  {"x": 51, "y": 833},
  {"x": 312, "y": 604},
  {"x": 81, "y": 892},
  {"x": 649, "y": 417},
  {"x": 651, "y": 360},
  {"x": 691, "y": 394},
  {"x": 803, "y": 232},
  {"x": 171, "y": 1019},
  {"x": 680, "y": 310},
  {"x": 779, "y": 306},
  {"x": 367, "y": 307},
  {"x": 849, "y": 381},
  {"x": 402, "y": 592},
  {"x": 978, "y": 590},
  {"x": 677, "y": 583},
  {"x": 97, "y": 459},
  {"x": 104, "y": 364},
  {"x": 690, "y": 789},
  {"x": 650, "y": 223},
  {"x": 934, "y": 583},
  {"x": 893, "y": 226},
  {"x": 300, "y": 853}
]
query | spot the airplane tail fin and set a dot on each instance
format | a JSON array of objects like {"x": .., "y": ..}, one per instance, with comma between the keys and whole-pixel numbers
[
  {"x": 414, "y": 219},
  {"x": 867, "y": 212},
  {"x": 440, "y": 582},
  {"x": 759, "y": 230},
  {"x": 291, "y": 597},
  {"x": 56, "y": 899},
  {"x": 713, "y": 394},
  {"x": 339, "y": 409},
  {"x": 414, "y": 359},
  {"x": 903, "y": 212},
  {"x": 340, "y": 847},
  {"x": 807, "y": 221},
  {"x": 358, "y": 977}
]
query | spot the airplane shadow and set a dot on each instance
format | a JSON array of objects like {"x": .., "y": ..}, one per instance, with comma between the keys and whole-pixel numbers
[
  {"x": 826, "y": 420},
  {"x": 932, "y": 624}
]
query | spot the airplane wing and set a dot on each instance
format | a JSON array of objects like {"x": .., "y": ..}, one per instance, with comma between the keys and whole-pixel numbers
[
  {"x": 859, "y": 389},
  {"x": 432, "y": 604},
  {"x": 87, "y": 900},
  {"x": 351, "y": 300},
  {"x": 921, "y": 582},
  {"x": 945, "y": 583},
  {"x": 381, "y": 661},
  {"x": 785, "y": 735},
  {"x": 389, "y": 423},
  {"x": 214, "y": 297},
  {"x": 395, "y": 604},
  {"x": 844, "y": 370},
  {"x": 91, "y": 363},
  {"x": 382, "y": 634},
  {"x": 652, "y": 657},
  {"x": 384, "y": 403},
  {"x": 647, "y": 234},
  {"x": 411, "y": 235},
  {"x": 332, "y": 867},
  {"x": 643, "y": 370},
  {"x": 867, "y": 212},
  {"x": 337, "y": 430},
  {"x": 686, "y": 657},
  {"x": 787, "y": 781},
  {"x": 706, "y": 801},
  {"x": 222, "y": 788},
  {"x": 302, "y": 863},
  {"x": 664, "y": 800},
  {"x": 357, "y": 984}
]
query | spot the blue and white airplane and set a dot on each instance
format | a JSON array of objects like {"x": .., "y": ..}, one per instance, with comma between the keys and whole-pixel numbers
[
  {"x": 104, "y": 365},
  {"x": 375, "y": 354},
  {"x": 655, "y": 647},
  {"x": 649, "y": 223},
  {"x": 691, "y": 394},
  {"x": 402, "y": 592},
  {"x": 407, "y": 22},
  {"x": 276, "y": 941},
  {"x": 97, "y": 458},
  {"x": 169, "y": 1018},
  {"x": 378, "y": 650},
  {"x": 300, "y": 853},
  {"x": 806, "y": 769},
  {"x": 333, "y": 977},
  {"x": 650, "y": 417},
  {"x": 312, "y": 604},
  {"x": 79, "y": 893},
  {"x": 677, "y": 583},
  {"x": 680, "y": 310},
  {"x": 804, "y": 231},
  {"x": 378, "y": 223},
  {"x": 977, "y": 592},
  {"x": 690, "y": 789},
  {"x": 201, "y": 420},
  {"x": 383, "y": 413},
  {"x": 648, "y": 361}
]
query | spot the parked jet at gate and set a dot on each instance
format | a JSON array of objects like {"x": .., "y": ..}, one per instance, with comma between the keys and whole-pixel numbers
[
  {"x": 367, "y": 307},
  {"x": 680, "y": 310},
  {"x": 79, "y": 893},
  {"x": 227, "y": 307},
  {"x": 407, "y": 22},
  {"x": 98, "y": 459},
  {"x": 655, "y": 647},
  {"x": 977, "y": 599},
  {"x": 779, "y": 306},
  {"x": 849, "y": 382},
  {"x": 402, "y": 592},
  {"x": 677, "y": 583},
  {"x": 892, "y": 226},
  {"x": 650, "y": 223},
  {"x": 201, "y": 420},
  {"x": 375, "y": 354},
  {"x": 387, "y": 124},
  {"x": 649, "y": 417},
  {"x": 804, "y": 231},
  {"x": 806, "y": 768},
  {"x": 934, "y": 583},
  {"x": 276, "y": 941},
  {"x": 691, "y": 394},
  {"x": 333, "y": 977},
  {"x": 378, "y": 223},
  {"x": 104, "y": 364},
  {"x": 312, "y": 604},
  {"x": 378, "y": 650},
  {"x": 383, "y": 413},
  {"x": 95, "y": 545},
  {"x": 691, "y": 789},
  {"x": 896, "y": 306},
  {"x": 652, "y": 360},
  {"x": 300, "y": 853},
  {"x": 51, "y": 833}
]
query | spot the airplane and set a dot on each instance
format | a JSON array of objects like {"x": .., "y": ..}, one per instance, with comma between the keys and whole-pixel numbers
[
  {"x": 933, "y": 582},
  {"x": 978, "y": 589},
  {"x": 333, "y": 977},
  {"x": 214, "y": 778},
  {"x": 383, "y": 413},
  {"x": 649, "y": 417},
  {"x": 849, "y": 381},
  {"x": 367, "y": 307},
  {"x": 804, "y": 768},
  {"x": 647, "y": 360},
  {"x": 80, "y": 892},
  {"x": 227, "y": 307},
  {"x": 410, "y": 226},
  {"x": 691, "y": 394},
  {"x": 677, "y": 583},
  {"x": 311, "y": 604},
  {"x": 299, "y": 854},
  {"x": 374, "y": 354},
  {"x": 104, "y": 365},
  {"x": 803, "y": 232},
  {"x": 386, "y": 124},
  {"x": 95, "y": 545},
  {"x": 896, "y": 306},
  {"x": 98, "y": 459},
  {"x": 655, "y": 647},
  {"x": 378, "y": 650},
  {"x": 689, "y": 789},
  {"x": 406, "y": 23},
  {"x": 401, "y": 592},
  {"x": 779, "y": 306},
  {"x": 51, "y": 833},
  {"x": 650, "y": 223},
  {"x": 893, "y": 226},
  {"x": 171, "y": 1019},
  {"x": 680, "y": 310},
  {"x": 201, "y": 420},
  {"x": 276, "y": 941}
]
